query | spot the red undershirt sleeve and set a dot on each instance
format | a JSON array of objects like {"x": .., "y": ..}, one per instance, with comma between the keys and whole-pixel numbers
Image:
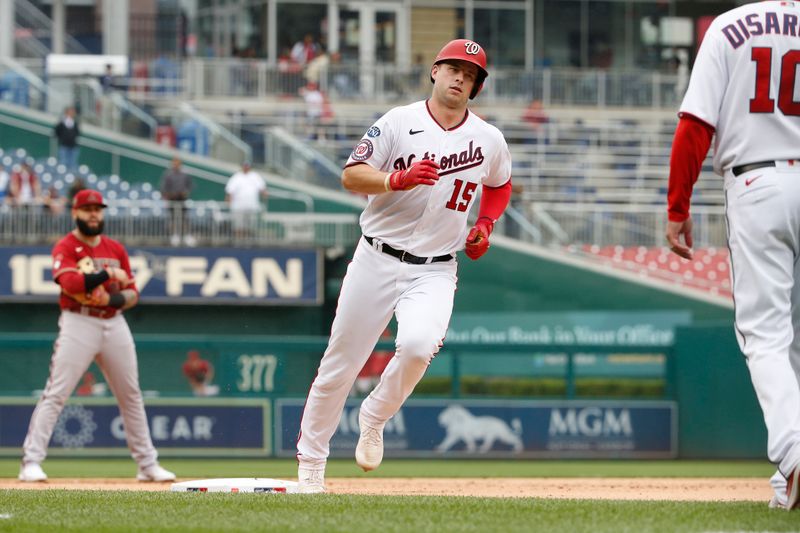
[
  {"x": 494, "y": 201},
  {"x": 689, "y": 149}
]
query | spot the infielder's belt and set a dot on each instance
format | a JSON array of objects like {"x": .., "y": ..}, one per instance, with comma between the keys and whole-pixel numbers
[
  {"x": 97, "y": 312},
  {"x": 741, "y": 169},
  {"x": 406, "y": 257}
]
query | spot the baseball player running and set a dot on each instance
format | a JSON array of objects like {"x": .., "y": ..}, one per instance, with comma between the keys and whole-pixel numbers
[
  {"x": 96, "y": 286},
  {"x": 421, "y": 166},
  {"x": 743, "y": 88}
]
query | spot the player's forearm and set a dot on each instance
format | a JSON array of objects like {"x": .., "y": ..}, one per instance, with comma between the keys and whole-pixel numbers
[
  {"x": 131, "y": 298},
  {"x": 364, "y": 179},
  {"x": 689, "y": 149},
  {"x": 494, "y": 201},
  {"x": 76, "y": 282}
]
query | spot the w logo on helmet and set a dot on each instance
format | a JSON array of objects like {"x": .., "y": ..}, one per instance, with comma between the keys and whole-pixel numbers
[{"x": 472, "y": 48}]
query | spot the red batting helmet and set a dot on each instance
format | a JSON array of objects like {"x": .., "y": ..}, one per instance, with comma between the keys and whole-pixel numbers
[{"x": 466, "y": 50}]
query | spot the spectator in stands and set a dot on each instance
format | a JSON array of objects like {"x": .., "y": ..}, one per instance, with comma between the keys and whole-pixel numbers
[
  {"x": 318, "y": 67},
  {"x": 24, "y": 188},
  {"x": 107, "y": 79},
  {"x": 285, "y": 61},
  {"x": 317, "y": 110},
  {"x": 77, "y": 186},
  {"x": 54, "y": 203},
  {"x": 176, "y": 186},
  {"x": 306, "y": 50},
  {"x": 4, "y": 181},
  {"x": 243, "y": 192},
  {"x": 536, "y": 118},
  {"x": 67, "y": 132}
]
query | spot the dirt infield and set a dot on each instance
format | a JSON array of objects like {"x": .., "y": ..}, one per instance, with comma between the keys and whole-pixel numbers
[{"x": 671, "y": 489}]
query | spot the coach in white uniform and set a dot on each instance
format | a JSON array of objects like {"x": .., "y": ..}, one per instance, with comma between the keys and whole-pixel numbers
[
  {"x": 743, "y": 88},
  {"x": 421, "y": 166}
]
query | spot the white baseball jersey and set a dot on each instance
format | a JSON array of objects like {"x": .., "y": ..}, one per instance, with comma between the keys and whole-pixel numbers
[
  {"x": 430, "y": 220},
  {"x": 744, "y": 84}
]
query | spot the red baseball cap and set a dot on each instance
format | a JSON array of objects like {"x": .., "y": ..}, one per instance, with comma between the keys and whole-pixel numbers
[{"x": 87, "y": 197}]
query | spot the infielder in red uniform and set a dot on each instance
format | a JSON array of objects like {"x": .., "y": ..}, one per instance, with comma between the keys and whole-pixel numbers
[
  {"x": 96, "y": 286},
  {"x": 743, "y": 88},
  {"x": 421, "y": 166}
]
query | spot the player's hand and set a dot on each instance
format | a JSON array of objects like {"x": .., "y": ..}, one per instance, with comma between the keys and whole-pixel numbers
[
  {"x": 478, "y": 238},
  {"x": 119, "y": 275},
  {"x": 674, "y": 232},
  {"x": 425, "y": 172},
  {"x": 97, "y": 298}
]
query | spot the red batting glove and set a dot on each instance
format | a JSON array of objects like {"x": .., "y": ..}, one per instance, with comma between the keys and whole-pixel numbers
[
  {"x": 478, "y": 238},
  {"x": 425, "y": 172}
]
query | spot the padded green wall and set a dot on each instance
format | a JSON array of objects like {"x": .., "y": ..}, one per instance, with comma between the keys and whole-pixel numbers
[{"x": 719, "y": 415}]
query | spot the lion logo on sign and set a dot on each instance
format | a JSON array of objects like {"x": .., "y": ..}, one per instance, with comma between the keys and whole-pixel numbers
[{"x": 461, "y": 425}]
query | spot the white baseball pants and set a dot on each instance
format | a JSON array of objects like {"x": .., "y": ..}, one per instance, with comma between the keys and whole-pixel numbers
[
  {"x": 375, "y": 286},
  {"x": 81, "y": 340},
  {"x": 763, "y": 214}
]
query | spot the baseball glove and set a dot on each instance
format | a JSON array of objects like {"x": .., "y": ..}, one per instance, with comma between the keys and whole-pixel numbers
[{"x": 97, "y": 298}]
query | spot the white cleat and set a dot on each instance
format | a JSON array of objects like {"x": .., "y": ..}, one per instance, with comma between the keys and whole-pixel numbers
[
  {"x": 775, "y": 503},
  {"x": 311, "y": 480},
  {"x": 154, "y": 473},
  {"x": 32, "y": 472},
  {"x": 369, "y": 451}
]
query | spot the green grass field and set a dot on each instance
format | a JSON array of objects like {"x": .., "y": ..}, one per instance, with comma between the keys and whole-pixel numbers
[{"x": 69, "y": 510}]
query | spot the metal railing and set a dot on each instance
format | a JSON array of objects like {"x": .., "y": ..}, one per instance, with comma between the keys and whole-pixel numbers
[
  {"x": 39, "y": 27},
  {"x": 290, "y": 157},
  {"x": 623, "y": 224},
  {"x": 234, "y": 77},
  {"x": 111, "y": 110},
  {"x": 22, "y": 86},
  {"x": 222, "y": 144},
  {"x": 210, "y": 223}
]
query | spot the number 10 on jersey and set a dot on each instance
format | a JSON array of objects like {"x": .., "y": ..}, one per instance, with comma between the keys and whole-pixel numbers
[{"x": 762, "y": 103}]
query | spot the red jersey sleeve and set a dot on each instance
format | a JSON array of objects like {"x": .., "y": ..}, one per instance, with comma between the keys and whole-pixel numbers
[
  {"x": 689, "y": 149},
  {"x": 118, "y": 252},
  {"x": 65, "y": 259}
]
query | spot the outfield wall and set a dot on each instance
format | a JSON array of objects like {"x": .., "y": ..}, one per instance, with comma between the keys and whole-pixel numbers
[{"x": 707, "y": 410}]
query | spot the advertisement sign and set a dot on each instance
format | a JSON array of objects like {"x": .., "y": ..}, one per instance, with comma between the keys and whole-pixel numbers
[
  {"x": 596, "y": 328},
  {"x": 191, "y": 426},
  {"x": 183, "y": 275},
  {"x": 504, "y": 429}
]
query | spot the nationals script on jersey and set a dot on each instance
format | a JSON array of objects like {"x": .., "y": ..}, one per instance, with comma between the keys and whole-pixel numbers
[
  {"x": 744, "y": 83},
  {"x": 429, "y": 220}
]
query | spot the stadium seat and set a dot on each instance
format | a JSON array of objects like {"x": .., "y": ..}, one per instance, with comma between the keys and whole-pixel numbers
[{"x": 708, "y": 271}]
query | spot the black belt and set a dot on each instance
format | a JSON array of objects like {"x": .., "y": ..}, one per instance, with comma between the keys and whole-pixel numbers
[
  {"x": 741, "y": 169},
  {"x": 406, "y": 257}
]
